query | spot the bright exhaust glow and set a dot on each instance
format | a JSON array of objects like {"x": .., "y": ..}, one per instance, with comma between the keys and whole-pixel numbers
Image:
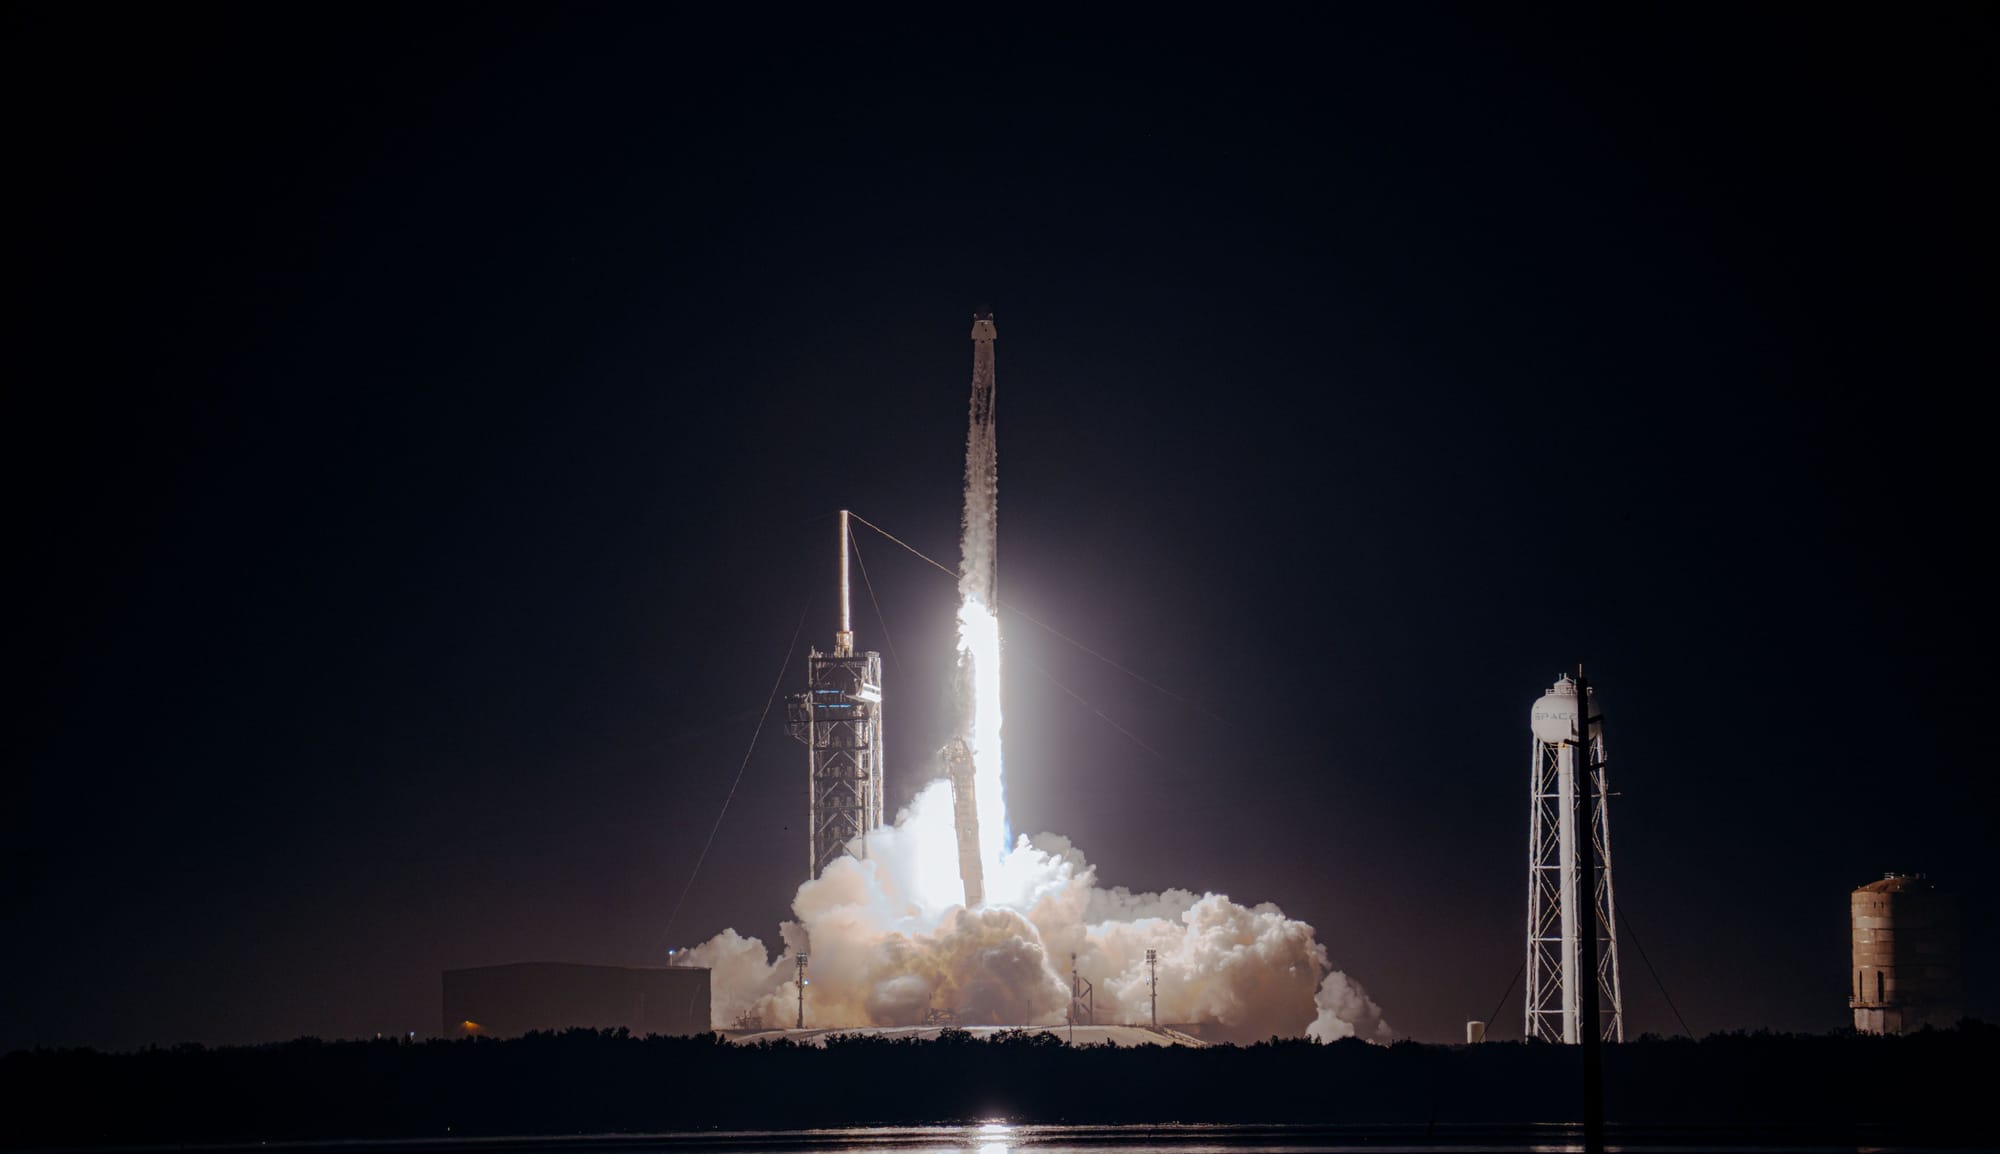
[{"x": 979, "y": 645}]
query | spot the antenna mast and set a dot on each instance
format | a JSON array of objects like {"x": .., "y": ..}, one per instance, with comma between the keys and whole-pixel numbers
[{"x": 843, "y": 639}]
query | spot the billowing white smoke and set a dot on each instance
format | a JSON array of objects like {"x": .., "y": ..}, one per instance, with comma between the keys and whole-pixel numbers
[{"x": 889, "y": 940}]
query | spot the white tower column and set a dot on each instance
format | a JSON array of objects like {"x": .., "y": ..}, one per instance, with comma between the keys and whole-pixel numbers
[{"x": 1558, "y": 916}]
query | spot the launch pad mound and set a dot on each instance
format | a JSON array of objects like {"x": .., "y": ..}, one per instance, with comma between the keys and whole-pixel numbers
[{"x": 1082, "y": 1035}]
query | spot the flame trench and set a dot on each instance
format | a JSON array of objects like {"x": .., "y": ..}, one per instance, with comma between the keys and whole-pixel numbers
[{"x": 972, "y": 758}]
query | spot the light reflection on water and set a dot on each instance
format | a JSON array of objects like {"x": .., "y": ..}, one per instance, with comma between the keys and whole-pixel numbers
[{"x": 996, "y": 1137}]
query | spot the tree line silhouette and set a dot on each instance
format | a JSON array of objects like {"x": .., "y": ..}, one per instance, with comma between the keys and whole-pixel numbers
[{"x": 1837, "y": 1088}]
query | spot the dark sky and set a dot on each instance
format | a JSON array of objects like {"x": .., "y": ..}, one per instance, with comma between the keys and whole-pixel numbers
[{"x": 424, "y": 426}]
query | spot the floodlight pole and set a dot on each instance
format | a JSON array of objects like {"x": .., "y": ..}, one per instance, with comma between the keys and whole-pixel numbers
[
  {"x": 802, "y": 991},
  {"x": 1153, "y": 969}
]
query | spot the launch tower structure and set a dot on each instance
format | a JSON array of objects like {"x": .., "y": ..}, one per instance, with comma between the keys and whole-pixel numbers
[
  {"x": 1557, "y": 916},
  {"x": 839, "y": 718}
]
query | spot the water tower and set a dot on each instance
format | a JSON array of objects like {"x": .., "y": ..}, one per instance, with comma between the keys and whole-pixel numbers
[{"x": 1557, "y": 916}]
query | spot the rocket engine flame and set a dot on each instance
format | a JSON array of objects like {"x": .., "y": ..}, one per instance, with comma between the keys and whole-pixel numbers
[{"x": 979, "y": 650}]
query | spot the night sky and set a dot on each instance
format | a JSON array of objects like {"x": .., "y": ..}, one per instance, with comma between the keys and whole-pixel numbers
[{"x": 425, "y": 425}]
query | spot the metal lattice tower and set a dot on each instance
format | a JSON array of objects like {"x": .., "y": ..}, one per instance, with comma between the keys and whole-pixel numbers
[
  {"x": 1153, "y": 980},
  {"x": 1082, "y": 998},
  {"x": 839, "y": 718},
  {"x": 1555, "y": 916}
]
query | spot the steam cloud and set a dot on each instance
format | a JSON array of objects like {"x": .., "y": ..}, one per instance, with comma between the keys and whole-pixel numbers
[{"x": 890, "y": 940}]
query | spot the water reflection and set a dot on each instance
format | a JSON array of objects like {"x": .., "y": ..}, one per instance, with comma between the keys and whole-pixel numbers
[{"x": 997, "y": 1137}]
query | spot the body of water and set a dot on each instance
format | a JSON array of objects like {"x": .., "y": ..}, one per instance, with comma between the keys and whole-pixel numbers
[{"x": 1005, "y": 1138}]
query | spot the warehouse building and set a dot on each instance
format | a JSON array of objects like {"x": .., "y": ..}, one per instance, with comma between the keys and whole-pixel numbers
[{"x": 506, "y": 1001}]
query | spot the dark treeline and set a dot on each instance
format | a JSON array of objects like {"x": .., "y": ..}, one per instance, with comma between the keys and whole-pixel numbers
[{"x": 1833, "y": 1088}]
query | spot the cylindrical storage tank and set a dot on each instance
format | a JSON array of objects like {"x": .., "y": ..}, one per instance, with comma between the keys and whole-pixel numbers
[
  {"x": 1475, "y": 1033},
  {"x": 1905, "y": 965}
]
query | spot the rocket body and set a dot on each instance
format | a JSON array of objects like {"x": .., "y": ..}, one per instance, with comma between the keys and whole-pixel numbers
[
  {"x": 977, "y": 565},
  {"x": 972, "y": 758}
]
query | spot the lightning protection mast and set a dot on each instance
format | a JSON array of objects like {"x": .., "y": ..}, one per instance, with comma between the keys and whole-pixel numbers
[
  {"x": 1153, "y": 980},
  {"x": 1569, "y": 935},
  {"x": 839, "y": 718}
]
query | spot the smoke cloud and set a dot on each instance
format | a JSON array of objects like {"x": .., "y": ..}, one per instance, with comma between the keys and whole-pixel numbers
[{"x": 890, "y": 940}]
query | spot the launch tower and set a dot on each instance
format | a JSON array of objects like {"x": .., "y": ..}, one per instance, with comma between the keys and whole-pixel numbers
[
  {"x": 1557, "y": 917},
  {"x": 839, "y": 718}
]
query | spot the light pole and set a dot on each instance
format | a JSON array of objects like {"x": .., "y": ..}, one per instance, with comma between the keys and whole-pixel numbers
[
  {"x": 1153, "y": 968},
  {"x": 1072, "y": 998},
  {"x": 802, "y": 991}
]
